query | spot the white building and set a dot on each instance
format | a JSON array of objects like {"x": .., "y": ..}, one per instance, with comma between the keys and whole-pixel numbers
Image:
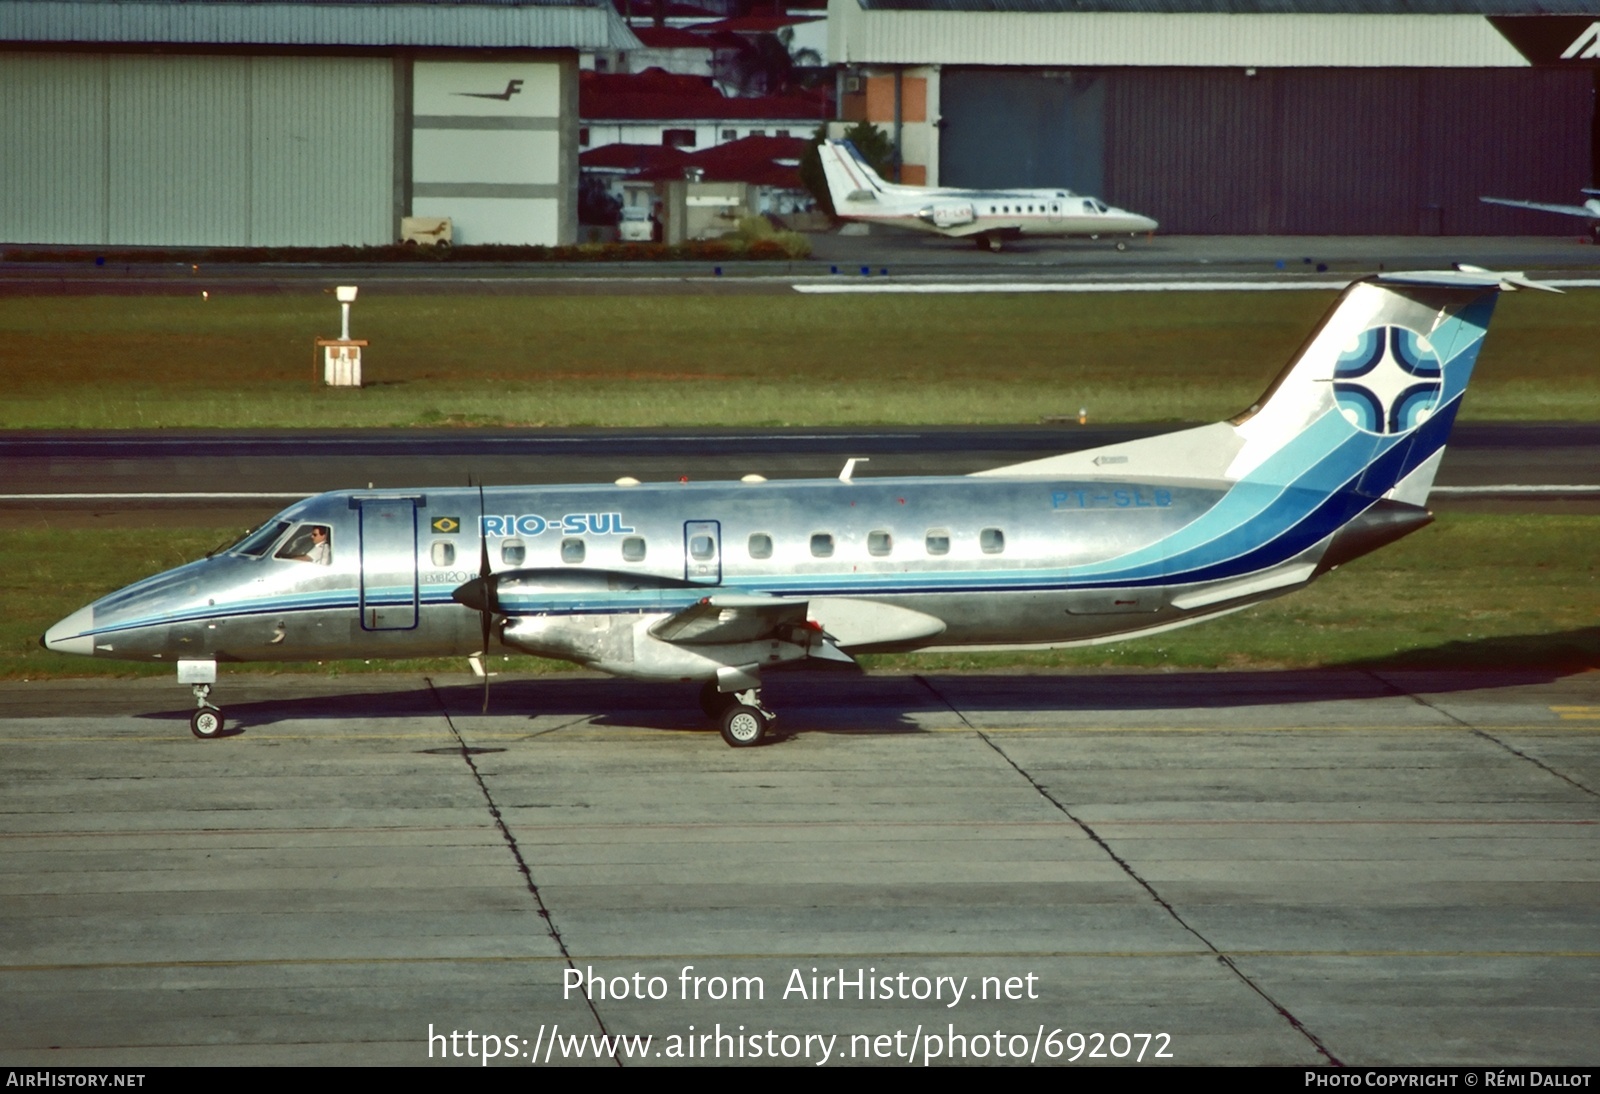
[{"x": 205, "y": 123}]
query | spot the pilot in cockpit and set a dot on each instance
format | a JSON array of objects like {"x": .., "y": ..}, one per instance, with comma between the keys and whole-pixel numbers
[{"x": 309, "y": 544}]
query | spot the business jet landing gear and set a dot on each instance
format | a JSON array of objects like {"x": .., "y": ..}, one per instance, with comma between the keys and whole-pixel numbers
[
  {"x": 207, "y": 721},
  {"x": 738, "y": 714},
  {"x": 987, "y": 242}
]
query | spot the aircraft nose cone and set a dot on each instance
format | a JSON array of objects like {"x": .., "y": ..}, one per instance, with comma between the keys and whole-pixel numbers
[{"x": 71, "y": 634}]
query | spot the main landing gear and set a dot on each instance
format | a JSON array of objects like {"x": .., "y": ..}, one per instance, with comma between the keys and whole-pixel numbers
[{"x": 738, "y": 714}]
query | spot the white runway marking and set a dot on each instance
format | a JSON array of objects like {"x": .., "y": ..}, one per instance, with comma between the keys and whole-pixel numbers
[
  {"x": 1459, "y": 491},
  {"x": 884, "y": 285}
]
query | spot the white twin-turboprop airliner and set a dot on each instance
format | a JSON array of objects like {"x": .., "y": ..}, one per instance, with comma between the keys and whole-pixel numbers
[
  {"x": 987, "y": 217},
  {"x": 721, "y": 582}
]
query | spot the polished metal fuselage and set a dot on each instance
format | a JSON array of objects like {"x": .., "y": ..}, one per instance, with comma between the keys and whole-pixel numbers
[{"x": 993, "y": 560}]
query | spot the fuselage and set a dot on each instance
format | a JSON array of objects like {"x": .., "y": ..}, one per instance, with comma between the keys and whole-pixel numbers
[
  {"x": 880, "y": 564},
  {"x": 1011, "y": 212}
]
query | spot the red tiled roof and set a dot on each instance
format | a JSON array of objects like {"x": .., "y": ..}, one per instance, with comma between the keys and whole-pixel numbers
[
  {"x": 673, "y": 38},
  {"x": 654, "y": 95},
  {"x": 751, "y": 159},
  {"x": 634, "y": 157},
  {"x": 755, "y": 24}
]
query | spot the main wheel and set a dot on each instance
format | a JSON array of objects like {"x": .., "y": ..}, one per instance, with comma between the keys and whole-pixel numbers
[
  {"x": 743, "y": 726},
  {"x": 1121, "y": 246},
  {"x": 206, "y": 723}
]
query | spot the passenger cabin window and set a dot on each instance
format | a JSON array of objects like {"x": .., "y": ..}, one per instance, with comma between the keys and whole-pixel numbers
[
  {"x": 444, "y": 552},
  {"x": 308, "y": 543},
  {"x": 992, "y": 540},
  {"x": 702, "y": 548},
  {"x": 633, "y": 549},
  {"x": 572, "y": 550},
  {"x": 513, "y": 552},
  {"x": 259, "y": 542},
  {"x": 938, "y": 541},
  {"x": 822, "y": 545},
  {"x": 879, "y": 543},
  {"x": 760, "y": 545}
]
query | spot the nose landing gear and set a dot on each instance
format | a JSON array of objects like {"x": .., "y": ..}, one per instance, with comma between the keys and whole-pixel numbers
[{"x": 207, "y": 720}]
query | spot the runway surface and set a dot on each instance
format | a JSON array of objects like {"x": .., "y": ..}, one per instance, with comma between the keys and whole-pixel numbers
[
  {"x": 836, "y": 259},
  {"x": 1247, "y": 868}
]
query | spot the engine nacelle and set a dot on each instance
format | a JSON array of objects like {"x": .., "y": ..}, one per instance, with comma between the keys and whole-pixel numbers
[{"x": 623, "y": 646}]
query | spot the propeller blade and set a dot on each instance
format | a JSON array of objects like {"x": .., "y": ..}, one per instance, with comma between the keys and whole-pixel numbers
[{"x": 485, "y": 590}]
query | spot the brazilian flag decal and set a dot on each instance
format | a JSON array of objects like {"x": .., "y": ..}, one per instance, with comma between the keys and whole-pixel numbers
[{"x": 446, "y": 525}]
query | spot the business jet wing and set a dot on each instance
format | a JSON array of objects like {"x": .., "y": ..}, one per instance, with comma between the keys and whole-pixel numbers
[{"x": 1543, "y": 207}]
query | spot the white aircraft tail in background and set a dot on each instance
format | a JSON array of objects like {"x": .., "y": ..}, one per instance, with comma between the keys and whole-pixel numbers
[{"x": 985, "y": 216}]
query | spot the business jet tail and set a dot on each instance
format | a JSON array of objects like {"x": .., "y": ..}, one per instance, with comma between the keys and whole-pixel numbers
[{"x": 852, "y": 183}]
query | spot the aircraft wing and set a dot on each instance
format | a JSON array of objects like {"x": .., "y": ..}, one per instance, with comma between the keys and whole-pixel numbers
[
  {"x": 991, "y": 225},
  {"x": 830, "y": 623},
  {"x": 731, "y": 618},
  {"x": 1565, "y": 210}
]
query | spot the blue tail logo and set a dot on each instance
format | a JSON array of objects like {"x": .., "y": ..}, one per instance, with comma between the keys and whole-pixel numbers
[{"x": 1389, "y": 381}]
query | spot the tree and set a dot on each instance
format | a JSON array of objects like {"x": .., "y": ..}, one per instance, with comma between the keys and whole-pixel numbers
[{"x": 873, "y": 144}]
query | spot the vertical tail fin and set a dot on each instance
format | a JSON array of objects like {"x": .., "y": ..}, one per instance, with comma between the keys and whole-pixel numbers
[
  {"x": 1336, "y": 459},
  {"x": 1364, "y": 407},
  {"x": 851, "y": 180},
  {"x": 1370, "y": 399}
]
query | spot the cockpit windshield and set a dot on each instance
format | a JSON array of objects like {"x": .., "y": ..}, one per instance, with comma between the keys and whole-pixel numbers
[
  {"x": 257, "y": 543},
  {"x": 308, "y": 543}
]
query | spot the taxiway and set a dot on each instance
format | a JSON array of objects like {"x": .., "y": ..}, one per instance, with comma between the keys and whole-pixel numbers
[{"x": 1266, "y": 867}]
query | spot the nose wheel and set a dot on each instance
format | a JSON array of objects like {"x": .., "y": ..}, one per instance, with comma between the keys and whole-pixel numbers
[{"x": 206, "y": 722}]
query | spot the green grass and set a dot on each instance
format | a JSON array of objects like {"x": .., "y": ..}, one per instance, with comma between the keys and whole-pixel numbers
[
  {"x": 1470, "y": 591},
  {"x": 247, "y": 361}
]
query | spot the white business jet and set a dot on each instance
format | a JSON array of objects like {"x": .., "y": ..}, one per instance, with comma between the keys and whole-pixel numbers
[{"x": 987, "y": 217}]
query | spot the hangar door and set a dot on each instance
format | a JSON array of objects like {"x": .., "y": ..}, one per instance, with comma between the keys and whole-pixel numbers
[
  {"x": 1038, "y": 127},
  {"x": 196, "y": 151}
]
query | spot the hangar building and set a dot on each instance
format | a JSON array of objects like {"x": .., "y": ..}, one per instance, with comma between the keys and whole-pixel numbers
[
  {"x": 263, "y": 123},
  {"x": 1295, "y": 117}
]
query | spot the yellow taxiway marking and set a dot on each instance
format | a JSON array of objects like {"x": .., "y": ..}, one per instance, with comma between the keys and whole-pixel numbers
[{"x": 1577, "y": 714}]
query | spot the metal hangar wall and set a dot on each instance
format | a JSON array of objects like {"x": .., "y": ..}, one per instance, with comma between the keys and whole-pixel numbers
[
  {"x": 1241, "y": 116},
  {"x": 280, "y": 124}
]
